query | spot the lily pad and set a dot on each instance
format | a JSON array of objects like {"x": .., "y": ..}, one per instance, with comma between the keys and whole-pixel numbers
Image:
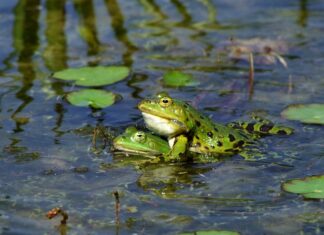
[
  {"x": 307, "y": 113},
  {"x": 177, "y": 78},
  {"x": 309, "y": 187},
  {"x": 94, "y": 76},
  {"x": 211, "y": 232},
  {"x": 92, "y": 97}
]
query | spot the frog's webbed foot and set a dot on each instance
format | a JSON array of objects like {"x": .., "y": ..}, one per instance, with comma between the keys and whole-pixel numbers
[{"x": 178, "y": 150}]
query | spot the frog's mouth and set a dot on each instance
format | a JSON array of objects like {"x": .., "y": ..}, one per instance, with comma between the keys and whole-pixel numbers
[
  {"x": 162, "y": 125},
  {"x": 129, "y": 149}
]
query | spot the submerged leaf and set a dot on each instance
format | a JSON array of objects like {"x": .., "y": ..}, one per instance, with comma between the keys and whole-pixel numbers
[
  {"x": 177, "y": 78},
  {"x": 92, "y": 97},
  {"x": 94, "y": 76},
  {"x": 309, "y": 187},
  {"x": 308, "y": 113}
]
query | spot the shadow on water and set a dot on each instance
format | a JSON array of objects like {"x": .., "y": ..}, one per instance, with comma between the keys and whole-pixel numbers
[
  {"x": 186, "y": 17},
  {"x": 87, "y": 26},
  {"x": 26, "y": 42},
  {"x": 303, "y": 13},
  {"x": 165, "y": 35},
  {"x": 117, "y": 24},
  {"x": 157, "y": 23},
  {"x": 55, "y": 53}
]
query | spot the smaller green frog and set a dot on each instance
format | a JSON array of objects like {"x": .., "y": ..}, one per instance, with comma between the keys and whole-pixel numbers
[{"x": 138, "y": 142}]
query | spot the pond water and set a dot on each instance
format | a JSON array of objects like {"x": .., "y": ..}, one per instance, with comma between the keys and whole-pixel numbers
[{"x": 46, "y": 159}]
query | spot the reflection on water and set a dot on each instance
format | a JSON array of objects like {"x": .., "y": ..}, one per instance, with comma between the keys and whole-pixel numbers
[
  {"x": 38, "y": 127},
  {"x": 303, "y": 15},
  {"x": 87, "y": 26},
  {"x": 25, "y": 42},
  {"x": 117, "y": 24},
  {"x": 55, "y": 53}
]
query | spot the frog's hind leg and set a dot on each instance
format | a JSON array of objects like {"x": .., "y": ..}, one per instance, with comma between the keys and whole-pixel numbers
[{"x": 260, "y": 126}]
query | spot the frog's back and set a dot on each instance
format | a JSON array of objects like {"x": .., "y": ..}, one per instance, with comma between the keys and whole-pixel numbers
[{"x": 210, "y": 137}]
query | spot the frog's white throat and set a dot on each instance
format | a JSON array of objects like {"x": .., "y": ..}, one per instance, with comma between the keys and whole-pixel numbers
[{"x": 161, "y": 126}]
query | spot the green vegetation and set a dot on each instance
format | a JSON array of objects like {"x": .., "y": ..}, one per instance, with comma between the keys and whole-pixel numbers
[
  {"x": 177, "y": 79},
  {"x": 92, "y": 97},
  {"x": 309, "y": 187},
  {"x": 93, "y": 76},
  {"x": 306, "y": 113}
]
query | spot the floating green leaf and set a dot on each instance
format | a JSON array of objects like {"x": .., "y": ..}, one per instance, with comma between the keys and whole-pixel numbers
[
  {"x": 309, "y": 187},
  {"x": 91, "y": 97},
  {"x": 211, "y": 232},
  {"x": 94, "y": 76},
  {"x": 307, "y": 113},
  {"x": 177, "y": 78}
]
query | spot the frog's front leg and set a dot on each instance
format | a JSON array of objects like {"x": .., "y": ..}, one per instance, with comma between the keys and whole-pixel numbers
[{"x": 178, "y": 147}]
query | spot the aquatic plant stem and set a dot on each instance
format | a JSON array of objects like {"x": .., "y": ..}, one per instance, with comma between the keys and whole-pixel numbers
[
  {"x": 251, "y": 75},
  {"x": 117, "y": 207},
  {"x": 58, "y": 211}
]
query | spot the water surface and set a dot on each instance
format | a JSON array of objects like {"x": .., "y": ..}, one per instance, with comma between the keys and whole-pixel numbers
[{"x": 45, "y": 140}]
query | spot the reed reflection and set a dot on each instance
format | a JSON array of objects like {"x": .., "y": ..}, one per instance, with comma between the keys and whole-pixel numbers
[
  {"x": 117, "y": 24},
  {"x": 186, "y": 17},
  {"x": 303, "y": 13},
  {"x": 25, "y": 42},
  {"x": 55, "y": 53},
  {"x": 87, "y": 25}
]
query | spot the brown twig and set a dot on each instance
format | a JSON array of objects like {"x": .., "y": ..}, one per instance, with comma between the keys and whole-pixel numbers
[
  {"x": 117, "y": 207},
  {"x": 58, "y": 211},
  {"x": 251, "y": 75}
]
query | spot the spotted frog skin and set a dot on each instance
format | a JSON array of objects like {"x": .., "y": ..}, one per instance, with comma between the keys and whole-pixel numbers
[
  {"x": 187, "y": 128},
  {"x": 134, "y": 141},
  {"x": 260, "y": 127}
]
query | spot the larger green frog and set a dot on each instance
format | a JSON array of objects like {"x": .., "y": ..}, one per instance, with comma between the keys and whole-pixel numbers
[{"x": 186, "y": 128}]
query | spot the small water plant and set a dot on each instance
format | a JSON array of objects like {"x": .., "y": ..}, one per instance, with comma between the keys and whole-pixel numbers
[
  {"x": 306, "y": 113},
  {"x": 93, "y": 76},
  {"x": 178, "y": 79},
  {"x": 309, "y": 187},
  {"x": 92, "y": 97}
]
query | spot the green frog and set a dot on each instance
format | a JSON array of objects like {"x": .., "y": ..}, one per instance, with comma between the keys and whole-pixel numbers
[
  {"x": 134, "y": 141},
  {"x": 188, "y": 129},
  {"x": 260, "y": 127}
]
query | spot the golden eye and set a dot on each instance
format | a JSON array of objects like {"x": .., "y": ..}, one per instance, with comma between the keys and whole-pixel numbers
[
  {"x": 139, "y": 136},
  {"x": 165, "y": 101}
]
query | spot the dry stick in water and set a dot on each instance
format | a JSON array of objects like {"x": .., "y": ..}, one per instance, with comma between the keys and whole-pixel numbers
[
  {"x": 251, "y": 75},
  {"x": 58, "y": 211},
  {"x": 117, "y": 207}
]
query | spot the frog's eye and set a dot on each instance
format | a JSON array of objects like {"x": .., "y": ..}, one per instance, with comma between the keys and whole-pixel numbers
[
  {"x": 139, "y": 136},
  {"x": 165, "y": 101}
]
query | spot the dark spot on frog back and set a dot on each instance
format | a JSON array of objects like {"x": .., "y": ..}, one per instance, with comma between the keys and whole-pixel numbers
[
  {"x": 239, "y": 144},
  {"x": 282, "y": 132},
  {"x": 231, "y": 137},
  {"x": 198, "y": 123},
  {"x": 250, "y": 127},
  {"x": 210, "y": 134},
  {"x": 266, "y": 127}
]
